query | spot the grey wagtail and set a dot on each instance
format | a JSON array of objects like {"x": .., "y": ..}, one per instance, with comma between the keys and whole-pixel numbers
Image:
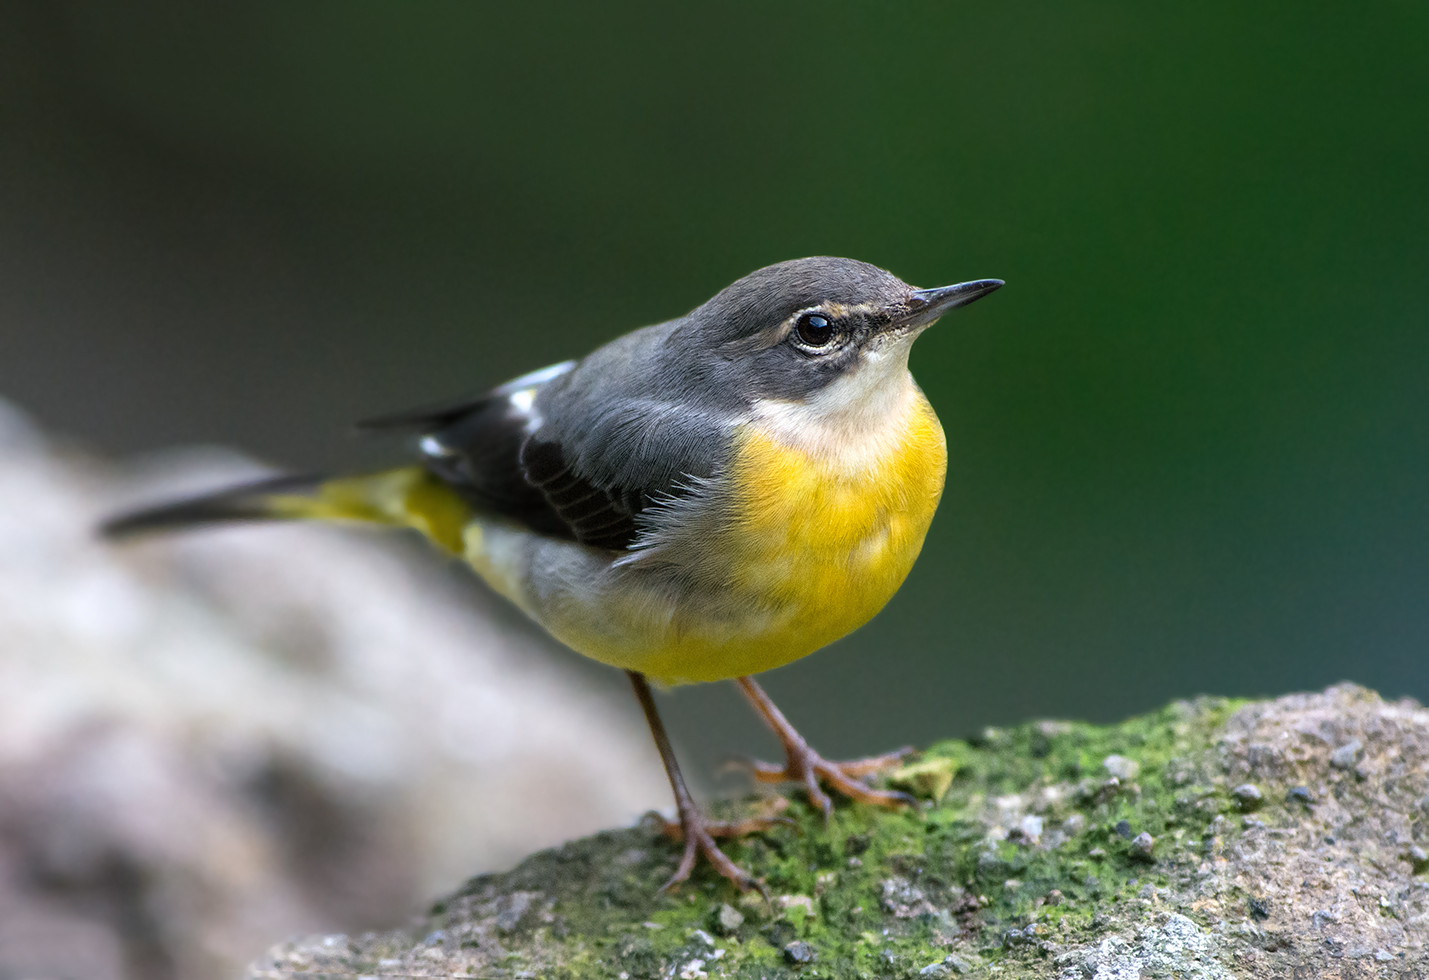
[{"x": 703, "y": 499}]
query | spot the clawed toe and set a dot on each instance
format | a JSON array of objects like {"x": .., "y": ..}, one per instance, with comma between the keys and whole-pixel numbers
[
  {"x": 844, "y": 778},
  {"x": 858, "y": 768},
  {"x": 699, "y": 837},
  {"x": 770, "y": 815},
  {"x": 803, "y": 765},
  {"x": 693, "y": 827},
  {"x": 806, "y": 766}
]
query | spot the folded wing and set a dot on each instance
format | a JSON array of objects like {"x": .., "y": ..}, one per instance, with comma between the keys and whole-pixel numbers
[{"x": 570, "y": 452}]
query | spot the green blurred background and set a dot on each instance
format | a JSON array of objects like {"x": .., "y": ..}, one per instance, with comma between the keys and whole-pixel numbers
[{"x": 1189, "y": 441}]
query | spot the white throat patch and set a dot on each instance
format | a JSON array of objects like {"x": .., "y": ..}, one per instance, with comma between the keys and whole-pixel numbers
[{"x": 854, "y": 421}]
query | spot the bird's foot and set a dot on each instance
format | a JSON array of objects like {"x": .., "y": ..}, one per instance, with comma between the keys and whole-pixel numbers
[
  {"x": 769, "y": 815},
  {"x": 806, "y": 766},
  {"x": 700, "y": 835}
]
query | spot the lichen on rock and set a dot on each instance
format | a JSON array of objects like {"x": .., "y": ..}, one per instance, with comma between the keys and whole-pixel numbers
[{"x": 1034, "y": 863}]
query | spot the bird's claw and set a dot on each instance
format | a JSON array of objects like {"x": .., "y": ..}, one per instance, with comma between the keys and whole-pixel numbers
[{"x": 806, "y": 766}]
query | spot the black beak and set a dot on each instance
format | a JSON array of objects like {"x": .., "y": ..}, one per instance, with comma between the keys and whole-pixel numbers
[{"x": 926, "y": 305}]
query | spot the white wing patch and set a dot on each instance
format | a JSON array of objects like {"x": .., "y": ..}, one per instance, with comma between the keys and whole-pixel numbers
[
  {"x": 433, "y": 447},
  {"x": 521, "y": 393},
  {"x": 521, "y": 404},
  {"x": 535, "y": 379}
]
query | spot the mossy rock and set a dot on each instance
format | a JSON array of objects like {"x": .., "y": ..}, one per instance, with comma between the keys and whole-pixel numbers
[{"x": 1057, "y": 849}]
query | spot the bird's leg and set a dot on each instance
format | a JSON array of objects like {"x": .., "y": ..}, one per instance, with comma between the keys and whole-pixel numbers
[
  {"x": 804, "y": 765},
  {"x": 698, "y": 833}
]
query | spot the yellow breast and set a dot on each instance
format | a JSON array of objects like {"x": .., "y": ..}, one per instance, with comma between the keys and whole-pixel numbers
[
  {"x": 831, "y": 539},
  {"x": 816, "y": 542}
]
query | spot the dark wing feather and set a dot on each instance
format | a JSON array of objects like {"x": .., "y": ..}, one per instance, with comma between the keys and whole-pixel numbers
[
  {"x": 580, "y": 453},
  {"x": 248, "y": 502},
  {"x": 426, "y": 418},
  {"x": 436, "y": 416},
  {"x": 593, "y": 514},
  {"x": 479, "y": 455},
  {"x": 493, "y": 458}
]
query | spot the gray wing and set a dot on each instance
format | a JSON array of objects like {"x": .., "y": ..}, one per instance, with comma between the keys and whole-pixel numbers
[{"x": 579, "y": 453}]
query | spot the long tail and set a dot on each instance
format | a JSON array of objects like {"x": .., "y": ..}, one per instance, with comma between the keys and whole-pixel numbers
[{"x": 409, "y": 497}]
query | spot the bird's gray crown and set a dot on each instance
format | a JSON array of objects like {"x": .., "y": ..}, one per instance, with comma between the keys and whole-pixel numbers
[{"x": 770, "y": 295}]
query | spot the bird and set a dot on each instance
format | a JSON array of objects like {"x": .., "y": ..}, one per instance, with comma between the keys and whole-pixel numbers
[{"x": 700, "y": 500}]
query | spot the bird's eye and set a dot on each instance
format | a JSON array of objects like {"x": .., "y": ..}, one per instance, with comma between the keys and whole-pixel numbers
[{"x": 814, "y": 329}]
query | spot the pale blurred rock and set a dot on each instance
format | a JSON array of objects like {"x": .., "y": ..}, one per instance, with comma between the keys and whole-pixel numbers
[{"x": 210, "y": 742}]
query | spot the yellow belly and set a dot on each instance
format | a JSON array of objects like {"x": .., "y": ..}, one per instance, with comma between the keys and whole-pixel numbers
[{"x": 815, "y": 547}]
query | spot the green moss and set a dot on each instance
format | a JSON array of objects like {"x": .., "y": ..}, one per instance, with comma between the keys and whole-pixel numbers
[{"x": 879, "y": 893}]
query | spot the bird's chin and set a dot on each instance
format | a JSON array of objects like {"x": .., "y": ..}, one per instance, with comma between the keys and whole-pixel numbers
[{"x": 889, "y": 346}]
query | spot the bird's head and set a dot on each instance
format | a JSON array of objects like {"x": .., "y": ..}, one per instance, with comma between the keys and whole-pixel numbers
[{"x": 826, "y": 330}]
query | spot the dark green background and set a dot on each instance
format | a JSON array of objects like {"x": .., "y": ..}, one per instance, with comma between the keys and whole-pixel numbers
[{"x": 1189, "y": 441}]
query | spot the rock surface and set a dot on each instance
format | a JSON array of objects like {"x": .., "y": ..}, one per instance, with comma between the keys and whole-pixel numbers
[
  {"x": 211, "y": 742},
  {"x": 1056, "y": 850}
]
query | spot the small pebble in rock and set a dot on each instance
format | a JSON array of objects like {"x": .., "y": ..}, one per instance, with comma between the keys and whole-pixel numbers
[
  {"x": 957, "y": 964},
  {"x": 1346, "y": 755},
  {"x": 1031, "y": 828},
  {"x": 1074, "y": 825},
  {"x": 1418, "y": 857},
  {"x": 1121, "y": 767},
  {"x": 1259, "y": 908},
  {"x": 1142, "y": 846},
  {"x": 1248, "y": 796},
  {"x": 1018, "y": 937},
  {"x": 799, "y": 952},
  {"x": 1123, "y": 829},
  {"x": 1299, "y": 794},
  {"x": 1096, "y": 854},
  {"x": 702, "y": 936},
  {"x": 1012, "y": 884},
  {"x": 727, "y": 920},
  {"x": 855, "y": 863},
  {"x": 1250, "y": 823},
  {"x": 1054, "y": 897}
]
